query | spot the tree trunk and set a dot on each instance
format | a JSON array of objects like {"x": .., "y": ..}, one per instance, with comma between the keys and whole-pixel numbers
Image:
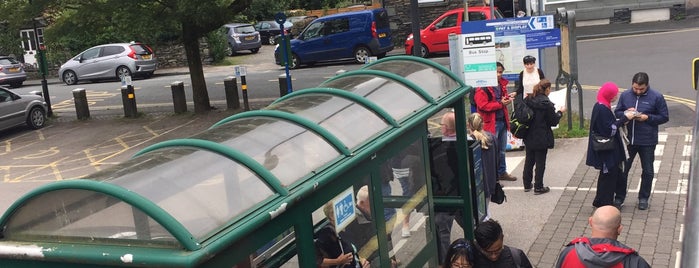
[{"x": 200, "y": 95}]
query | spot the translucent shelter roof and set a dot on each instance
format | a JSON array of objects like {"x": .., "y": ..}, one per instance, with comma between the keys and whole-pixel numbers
[{"x": 206, "y": 190}]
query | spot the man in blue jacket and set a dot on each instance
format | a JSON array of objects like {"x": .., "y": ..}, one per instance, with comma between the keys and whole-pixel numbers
[{"x": 650, "y": 110}]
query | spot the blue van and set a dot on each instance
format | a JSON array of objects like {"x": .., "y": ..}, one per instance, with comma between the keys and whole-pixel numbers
[{"x": 351, "y": 35}]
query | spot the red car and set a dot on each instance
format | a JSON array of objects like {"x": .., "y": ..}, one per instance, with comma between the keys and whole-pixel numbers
[{"x": 435, "y": 37}]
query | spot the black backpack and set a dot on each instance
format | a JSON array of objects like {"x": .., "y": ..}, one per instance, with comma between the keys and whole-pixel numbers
[{"x": 520, "y": 118}]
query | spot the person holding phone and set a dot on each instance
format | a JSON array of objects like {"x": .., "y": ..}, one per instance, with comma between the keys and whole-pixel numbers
[
  {"x": 491, "y": 104},
  {"x": 649, "y": 110}
]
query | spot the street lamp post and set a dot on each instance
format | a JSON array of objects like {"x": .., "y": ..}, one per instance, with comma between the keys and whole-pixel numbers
[{"x": 43, "y": 69}]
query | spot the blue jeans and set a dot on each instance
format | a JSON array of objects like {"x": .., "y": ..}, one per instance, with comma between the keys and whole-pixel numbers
[
  {"x": 501, "y": 138},
  {"x": 647, "y": 155}
]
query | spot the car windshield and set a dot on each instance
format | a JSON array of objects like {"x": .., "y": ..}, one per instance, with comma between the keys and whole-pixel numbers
[{"x": 245, "y": 29}]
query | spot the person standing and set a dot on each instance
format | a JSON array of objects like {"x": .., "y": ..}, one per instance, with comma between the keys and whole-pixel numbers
[
  {"x": 491, "y": 103},
  {"x": 604, "y": 123},
  {"x": 650, "y": 111},
  {"x": 602, "y": 249},
  {"x": 529, "y": 77},
  {"x": 539, "y": 138},
  {"x": 492, "y": 251},
  {"x": 489, "y": 151}
]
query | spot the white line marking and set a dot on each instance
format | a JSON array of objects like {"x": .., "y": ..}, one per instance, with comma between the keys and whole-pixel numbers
[
  {"x": 659, "y": 149},
  {"x": 656, "y": 166},
  {"x": 662, "y": 137},
  {"x": 688, "y": 138},
  {"x": 684, "y": 167},
  {"x": 687, "y": 150}
]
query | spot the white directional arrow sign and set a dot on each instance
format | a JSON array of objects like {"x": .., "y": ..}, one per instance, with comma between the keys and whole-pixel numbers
[{"x": 541, "y": 22}]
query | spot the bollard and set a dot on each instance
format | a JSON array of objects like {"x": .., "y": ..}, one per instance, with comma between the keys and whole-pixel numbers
[
  {"x": 179, "y": 100},
  {"x": 244, "y": 88},
  {"x": 230, "y": 85},
  {"x": 283, "y": 85},
  {"x": 80, "y": 100},
  {"x": 128, "y": 98}
]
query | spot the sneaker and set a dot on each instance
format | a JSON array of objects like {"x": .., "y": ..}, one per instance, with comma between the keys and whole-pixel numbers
[
  {"x": 618, "y": 203},
  {"x": 507, "y": 177},
  {"x": 526, "y": 190},
  {"x": 643, "y": 204},
  {"x": 542, "y": 190},
  {"x": 405, "y": 233}
]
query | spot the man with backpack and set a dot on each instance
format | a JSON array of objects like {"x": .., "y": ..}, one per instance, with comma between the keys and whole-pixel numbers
[
  {"x": 491, "y": 103},
  {"x": 602, "y": 249}
]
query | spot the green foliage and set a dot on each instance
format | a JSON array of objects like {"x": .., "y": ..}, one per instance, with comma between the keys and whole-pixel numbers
[
  {"x": 265, "y": 9},
  {"x": 563, "y": 132},
  {"x": 217, "y": 44}
]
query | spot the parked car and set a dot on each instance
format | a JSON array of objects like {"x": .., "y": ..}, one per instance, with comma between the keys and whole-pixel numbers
[
  {"x": 18, "y": 109},
  {"x": 435, "y": 37},
  {"x": 11, "y": 72},
  {"x": 299, "y": 23},
  {"x": 108, "y": 62},
  {"x": 269, "y": 30},
  {"x": 352, "y": 35},
  {"x": 242, "y": 36}
]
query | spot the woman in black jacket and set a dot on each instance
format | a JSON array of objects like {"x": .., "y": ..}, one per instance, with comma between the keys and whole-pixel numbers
[
  {"x": 540, "y": 136},
  {"x": 604, "y": 123}
]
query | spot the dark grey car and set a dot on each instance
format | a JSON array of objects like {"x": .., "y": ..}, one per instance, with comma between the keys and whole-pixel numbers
[
  {"x": 18, "y": 109},
  {"x": 269, "y": 30},
  {"x": 242, "y": 36}
]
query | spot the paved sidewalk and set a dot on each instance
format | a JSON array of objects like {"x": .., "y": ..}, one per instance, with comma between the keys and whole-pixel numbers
[{"x": 654, "y": 233}]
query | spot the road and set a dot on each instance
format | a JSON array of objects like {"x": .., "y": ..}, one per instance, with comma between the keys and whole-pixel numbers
[{"x": 613, "y": 59}]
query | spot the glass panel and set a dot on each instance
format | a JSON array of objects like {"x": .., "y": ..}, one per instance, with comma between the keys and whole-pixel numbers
[
  {"x": 399, "y": 100},
  {"x": 431, "y": 80},
  {"x": 87, "y": 217},
  {"x": 338, "y": 115},
  {"x": 288, "y": 150},
  {"x": 200, "y": 189},
  {"x": 407, "y": 209},
  {"x": 357, "y": 236}
]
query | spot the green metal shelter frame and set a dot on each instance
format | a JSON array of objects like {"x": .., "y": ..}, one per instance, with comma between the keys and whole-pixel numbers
[{"x": 214, "y": 199}]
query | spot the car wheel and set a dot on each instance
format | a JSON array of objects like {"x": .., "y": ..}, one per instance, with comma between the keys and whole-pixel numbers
[
  {"x": 294, "y": 62},
  {"x": 36, "y": 118},
  {"x": 70, "y": 78},
  {"x": 255, "y": 50},
  {"x": 16, "y": 84},
  {"x": 361, "y": 54},
  {"x": 122, "y": 71},
  {"x": 423, "y": 51},
  {"x": 272, "y": 40}
]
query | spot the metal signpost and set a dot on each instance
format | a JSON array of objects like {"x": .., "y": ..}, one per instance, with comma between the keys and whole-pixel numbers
[
  {"x": 568, "y": 61},
  {"x": 280, "y": 18}
]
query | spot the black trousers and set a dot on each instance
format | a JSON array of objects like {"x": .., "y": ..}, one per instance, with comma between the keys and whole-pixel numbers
[
  {"x": 606, "y": 184},
  {"x": 531, "y": 158}
]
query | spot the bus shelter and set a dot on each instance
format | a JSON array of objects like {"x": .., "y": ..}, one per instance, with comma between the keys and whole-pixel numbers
[{"x": 250, "y": 191}]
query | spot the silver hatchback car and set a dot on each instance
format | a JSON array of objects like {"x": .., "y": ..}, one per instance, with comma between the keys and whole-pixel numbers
[
  {"x": 18, "y": 109},
  {"x": 11, "y": 72},
  {"x": 110, "y": 61}
]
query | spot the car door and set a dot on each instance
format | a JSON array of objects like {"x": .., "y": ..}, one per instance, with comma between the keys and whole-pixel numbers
[
  {"x": 108, "y": 61},
  {"x": 89, "y": 63},
  {"x": 339, "y": 40},
  {"x": 312, "y": 44},
  {"x": 11, "y": 110},
  {"x": 437, "y": 38}
]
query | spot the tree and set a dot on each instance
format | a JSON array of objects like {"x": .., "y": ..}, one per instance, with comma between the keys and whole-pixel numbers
[{"x": 105, "y": 21}]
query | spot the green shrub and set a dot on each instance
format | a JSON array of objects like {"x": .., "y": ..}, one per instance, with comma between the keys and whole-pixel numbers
[{"x": 217, "y": 45}]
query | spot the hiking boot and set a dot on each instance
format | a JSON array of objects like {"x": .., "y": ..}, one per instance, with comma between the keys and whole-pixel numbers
[
  {"x": 542, "y": 190},
  {"x": 507, "y": 177},
  {"x": 643, "y": 204}
]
